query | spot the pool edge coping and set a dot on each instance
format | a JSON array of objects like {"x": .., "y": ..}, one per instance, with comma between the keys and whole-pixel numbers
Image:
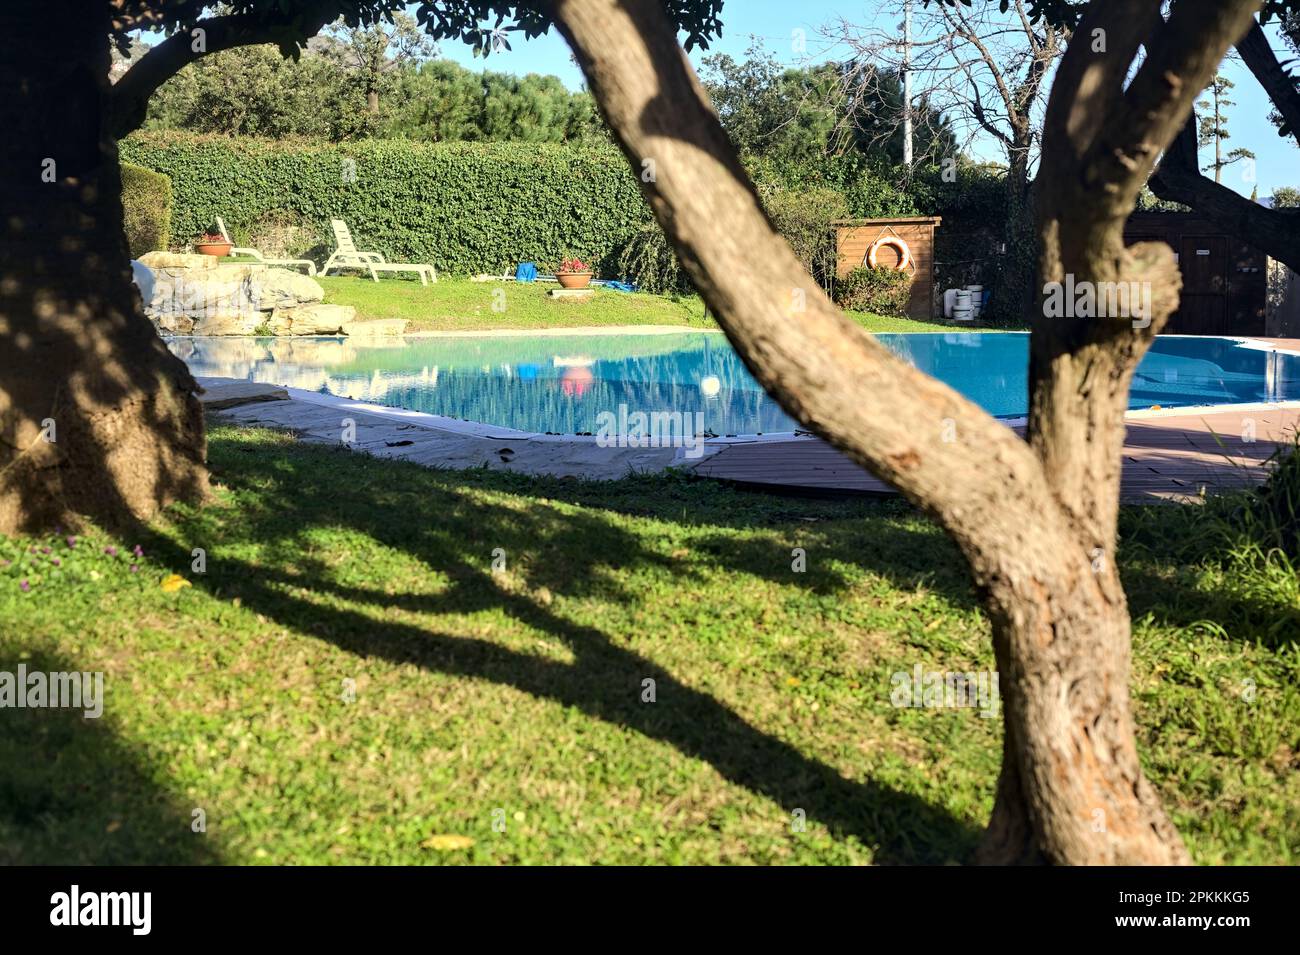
[{"x": 480, "y": 429}]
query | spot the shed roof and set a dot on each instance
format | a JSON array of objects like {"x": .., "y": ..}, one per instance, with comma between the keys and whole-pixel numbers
[{"x": 888, "y": 220}]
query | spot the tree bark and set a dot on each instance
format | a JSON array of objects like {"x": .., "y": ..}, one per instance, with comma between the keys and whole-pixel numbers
[
  {"x": 97, "y": 418},
  {"x": 1035, "y": 523},
  {"x": 1177, "y": 179}
]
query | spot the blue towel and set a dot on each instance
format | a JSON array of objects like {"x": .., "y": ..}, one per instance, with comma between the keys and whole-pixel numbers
[
  {"x": 527, "y": 272},
  {"x": 621, "y": 286}
]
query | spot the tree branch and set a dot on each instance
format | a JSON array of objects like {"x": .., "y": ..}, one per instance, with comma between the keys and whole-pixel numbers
[
  {"x": 1178, "y": 179},
  {"x": 129, "y": 97},
  {"x": 1281, "y": 87},
  {"x": 1117, "y": 133}
]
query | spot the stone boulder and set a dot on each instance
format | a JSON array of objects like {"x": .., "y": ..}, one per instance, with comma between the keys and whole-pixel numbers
[
  {"x": 178, "y": 260},
  {"x": 312, "y": 320},
  {"x": 282, "y": 288},
  {"x": 203, "y": 295},
  {"x": 173, "y": 324},
  {"x": 229, "y": 323},
  {"x": 225, "y": 290}
]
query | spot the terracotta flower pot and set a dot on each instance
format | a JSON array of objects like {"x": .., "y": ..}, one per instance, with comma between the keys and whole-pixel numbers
[
  {"x": 574, "y": 279},
  {"x": 219, "y": 249}
]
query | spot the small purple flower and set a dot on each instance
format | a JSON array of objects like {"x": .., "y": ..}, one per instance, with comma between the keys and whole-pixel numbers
[
  {"x": 138, "y": 550},
  {"x": 24, "y": 586},
  {"x": 56, "y": 562},
  {"x": 134, "y": 568},
  {"x": 110, "y": 551},
  {"x": 45, "y": 550},
  {"x": 72, "y": 542}
]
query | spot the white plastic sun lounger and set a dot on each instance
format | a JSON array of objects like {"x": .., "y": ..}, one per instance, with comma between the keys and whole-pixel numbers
[
  {"x": 234, "y": 250},
  {"x": 346, "y": 255}
]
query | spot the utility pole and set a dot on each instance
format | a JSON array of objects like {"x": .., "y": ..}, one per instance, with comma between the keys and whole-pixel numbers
[{"x": 907, "y": 84}]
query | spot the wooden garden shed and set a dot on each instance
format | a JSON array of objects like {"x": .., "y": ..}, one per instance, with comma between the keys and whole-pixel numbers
[
  {"x": 856, "y": 239},
  {"x": 1225, "y": 281}
]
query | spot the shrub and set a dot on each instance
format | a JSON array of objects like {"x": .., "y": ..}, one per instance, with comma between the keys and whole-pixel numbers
[
  {"x": 881, "y": 291},
  {"x": 804, "y": 217},
  {"x": 465, "y": 207},
  {"x": 146, "y": 209},
  {"x": 648, "y": 259}
]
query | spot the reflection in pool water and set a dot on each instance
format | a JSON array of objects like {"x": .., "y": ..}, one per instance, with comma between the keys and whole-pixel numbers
[{"x": 560, "y": 384}]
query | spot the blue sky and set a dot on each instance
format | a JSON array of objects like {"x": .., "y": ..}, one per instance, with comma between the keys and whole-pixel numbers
[{"x": 775, "y": 22}]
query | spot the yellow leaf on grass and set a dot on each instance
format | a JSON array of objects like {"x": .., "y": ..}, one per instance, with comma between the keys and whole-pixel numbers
[
  {"x": 174, "y": 582},
  {"x": 447, "y": 843}
]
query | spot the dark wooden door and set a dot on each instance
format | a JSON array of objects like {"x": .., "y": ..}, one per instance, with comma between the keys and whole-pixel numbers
[{"x": 1203, "y": 308}]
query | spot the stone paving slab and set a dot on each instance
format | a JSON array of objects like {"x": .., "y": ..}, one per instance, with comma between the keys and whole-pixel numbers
[
  {"x": 218, "y": 394},
  {"x": 441, "y": 443}
]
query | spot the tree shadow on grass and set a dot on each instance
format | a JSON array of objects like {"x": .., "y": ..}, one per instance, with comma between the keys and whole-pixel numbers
[
  {"x": 1197, "y": 563},
  {"x": 432, "y": 518},
  {"x": 71, "y": 793}
]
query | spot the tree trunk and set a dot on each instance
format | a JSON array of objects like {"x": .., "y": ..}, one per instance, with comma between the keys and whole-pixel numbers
[
  {"x": 1218, "y": 140},
  {"x": 97, "y": 418},
  {"x": 1071, "y": 787},
  {"x": 1036, "y": 523},
  {"x": 1014, "y": 291},
  {"x": 372, "y": 102}
]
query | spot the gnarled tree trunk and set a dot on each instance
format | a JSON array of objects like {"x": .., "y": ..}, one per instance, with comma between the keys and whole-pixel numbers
[
  {"x": 97, "y": 418},
  {"x": 1036, "y": 521}
]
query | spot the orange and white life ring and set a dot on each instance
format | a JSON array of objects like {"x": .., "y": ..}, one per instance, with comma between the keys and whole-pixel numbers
[{"x": 894, "y": 242}]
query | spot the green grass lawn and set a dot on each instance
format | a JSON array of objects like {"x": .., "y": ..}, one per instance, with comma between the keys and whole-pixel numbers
[
  {"x": 461, "y": 305},
  {"x": 351, "y": 680}
]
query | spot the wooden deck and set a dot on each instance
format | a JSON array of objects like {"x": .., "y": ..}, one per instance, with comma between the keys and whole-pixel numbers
[{"x": 1166, "y": 458}]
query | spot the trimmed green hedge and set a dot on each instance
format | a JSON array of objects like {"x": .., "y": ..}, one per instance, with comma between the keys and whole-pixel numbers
[
  {"x": 146, "y": 209},
  {"x": 464, "y": 207},
  {"x": 881, "y": 291}
]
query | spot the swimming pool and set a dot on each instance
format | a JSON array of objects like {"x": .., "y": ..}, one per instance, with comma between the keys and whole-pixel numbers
[{"x": 561, "y": 384}]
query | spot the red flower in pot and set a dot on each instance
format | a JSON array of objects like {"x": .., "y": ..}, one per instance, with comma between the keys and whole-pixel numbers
[
  {"x": 212, "y": 243},
  {"x": 574, "y": 273}
]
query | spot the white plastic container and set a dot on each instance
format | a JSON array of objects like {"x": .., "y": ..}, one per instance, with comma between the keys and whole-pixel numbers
[
  {"x": 962, "y": 310},
  {"x": 949, "y": 302},
  {"x": 976, "y": 299}
]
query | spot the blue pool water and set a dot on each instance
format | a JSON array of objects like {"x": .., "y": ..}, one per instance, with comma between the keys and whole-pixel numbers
[{"x": 560, "y": 384}]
